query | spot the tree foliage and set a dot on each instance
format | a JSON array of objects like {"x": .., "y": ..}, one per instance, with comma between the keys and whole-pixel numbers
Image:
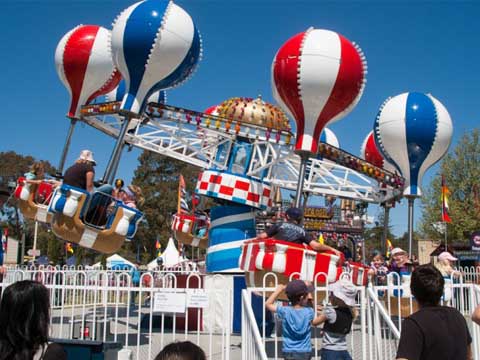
[
  {"x": 461, "y": 169},
  {"x": 158, "y": 177}
]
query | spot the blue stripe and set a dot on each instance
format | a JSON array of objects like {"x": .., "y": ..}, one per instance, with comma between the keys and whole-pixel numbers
[
  {"x": 420, "y": 129},
  {"x": 139, "y": 36},
  {"x": 120, "y": 92},
  {"x": 223, "y": 260},
  {"x": 323, "y": 136}
]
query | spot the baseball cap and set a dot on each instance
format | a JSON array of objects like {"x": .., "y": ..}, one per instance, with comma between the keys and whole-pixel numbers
[
  {"x": 446, "y": 256},
  {"x": 344, "y": 290},
  {"x": 87, "y": 155},
  {"x": 297, "y": 287},
  {"x": 397, "y": 250},
  {"x": 294, "y": 213}
]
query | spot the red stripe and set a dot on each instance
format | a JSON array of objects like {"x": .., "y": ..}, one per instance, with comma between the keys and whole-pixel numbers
[
  {"x": 226, "y": 190},
  {"x": 242, "y": 185},
  {"x": 75, "y": 61},
  {"x": 346, "y": 89},
  {"x": 215, "y": 179},
  {"x": 372, "y": 154},
  {"x": 244, "y": 255},
  {"x": 293, "y": 263},
  {"x": 285, "y": 76},
  {"x": 253, "y": 258},
  {"x": 253, "y": 197}
]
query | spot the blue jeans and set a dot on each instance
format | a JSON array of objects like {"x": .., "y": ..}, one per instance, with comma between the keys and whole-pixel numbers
[
  {"x": 297, "y": 355},
  {"x": 335, "y": 355}
]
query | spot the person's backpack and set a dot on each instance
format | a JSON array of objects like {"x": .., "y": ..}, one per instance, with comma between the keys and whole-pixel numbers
[{"x": 343, "y": 324}]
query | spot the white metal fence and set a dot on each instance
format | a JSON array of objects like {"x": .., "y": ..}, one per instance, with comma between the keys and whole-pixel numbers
[{"x": 106, "y": 306}]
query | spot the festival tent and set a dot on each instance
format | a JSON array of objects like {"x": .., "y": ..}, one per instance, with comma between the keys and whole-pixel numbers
[
  {"x": 116, "y": 262},
  {"x": 170, "y": 257}
]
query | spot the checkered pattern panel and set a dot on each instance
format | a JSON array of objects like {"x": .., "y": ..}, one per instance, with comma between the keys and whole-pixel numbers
[{"x": 235, "y": 188}]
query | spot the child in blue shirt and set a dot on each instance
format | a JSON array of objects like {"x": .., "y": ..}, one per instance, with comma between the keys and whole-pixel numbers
[{"x": 297, "y": 320}]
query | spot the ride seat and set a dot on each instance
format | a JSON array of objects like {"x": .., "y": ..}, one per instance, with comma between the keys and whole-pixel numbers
[
  {"x": 129, "y": 223},
  {"x": 65, "y": 200}
]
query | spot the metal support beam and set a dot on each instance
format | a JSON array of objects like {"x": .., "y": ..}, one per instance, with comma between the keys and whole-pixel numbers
[
  {"x": 117, "y": 150},
  {"x": 66, "y": 147}
]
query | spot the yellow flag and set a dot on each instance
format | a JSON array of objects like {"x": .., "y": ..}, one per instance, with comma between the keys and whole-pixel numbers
[{"x": 321, "y": 240}]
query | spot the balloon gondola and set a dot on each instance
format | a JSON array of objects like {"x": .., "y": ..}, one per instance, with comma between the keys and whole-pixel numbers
[{"x": 34, "y": 199}]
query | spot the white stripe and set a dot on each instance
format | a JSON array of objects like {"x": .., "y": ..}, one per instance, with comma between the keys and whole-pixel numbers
[
  {"x": 393, "y": 132},
  {"x": 195, "y": 242},
  {"x": 225, "y": 246},
  {"x": 275, "y": 93},
  {"x": 88, "y": 238},
  {"x": 232, "y": 218},
  {"x": 308, "y": 265},
  {"x": 319, "y": 66},
  {"x": 260, "y": 256},
  {"x": 280, "y": 258}
]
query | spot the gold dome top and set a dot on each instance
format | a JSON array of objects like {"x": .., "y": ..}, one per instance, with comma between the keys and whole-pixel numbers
[{"x": 254, "y": 111}]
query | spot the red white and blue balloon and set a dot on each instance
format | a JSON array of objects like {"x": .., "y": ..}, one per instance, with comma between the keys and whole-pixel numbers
[
  {"x": 155, "y": 45},
  {"x": 84, "y": 64},
  {"x": 318, "y": 77},
  {"x": 370, "y": 152},
  {"x": 413, "y": 131},
  {"x": 328, "y": 137},
  {"x": 117, "y": 94}
]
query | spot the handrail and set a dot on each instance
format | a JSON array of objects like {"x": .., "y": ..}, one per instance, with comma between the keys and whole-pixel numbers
[
  {"x": 383, "y": 312},
  {"x": 250, "y": 331}
]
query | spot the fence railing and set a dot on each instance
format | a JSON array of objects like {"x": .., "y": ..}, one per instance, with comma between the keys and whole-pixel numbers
[
  {"x": 164, "y": 307},
  {"x": 252, "y": 345}
]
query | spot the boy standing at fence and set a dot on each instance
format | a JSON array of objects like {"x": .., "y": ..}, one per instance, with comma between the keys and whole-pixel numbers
[
  {"x": 297, "y": 320},
  {"x": 337, "y": 319}
]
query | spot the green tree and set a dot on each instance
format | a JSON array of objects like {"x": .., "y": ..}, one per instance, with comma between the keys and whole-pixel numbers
[
  {"x": 158, "y": 177},
  {"x": 461, "y": 170},
  {"x": 373, "y": 235}
]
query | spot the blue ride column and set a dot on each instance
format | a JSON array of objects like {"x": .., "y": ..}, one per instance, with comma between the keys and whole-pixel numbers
[{"x": 233, "y": 223}]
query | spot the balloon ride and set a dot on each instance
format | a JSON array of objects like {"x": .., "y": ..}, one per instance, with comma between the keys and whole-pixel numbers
[
  {"x": 318, "y": 76},
  {"x": 413, "y": 131}
]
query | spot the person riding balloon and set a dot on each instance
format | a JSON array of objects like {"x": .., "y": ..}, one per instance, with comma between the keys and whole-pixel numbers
[
  {"x": 293, "y": 232},
  {"x": 82, "y": 173}
]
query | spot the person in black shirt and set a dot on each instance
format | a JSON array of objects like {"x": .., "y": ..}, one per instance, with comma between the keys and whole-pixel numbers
[
  {"x": 81, "y": 174},
  {"x": 434, "y": 332},
  {"x": 25, "y": 319},
  {"x": 293, "y": 232}
]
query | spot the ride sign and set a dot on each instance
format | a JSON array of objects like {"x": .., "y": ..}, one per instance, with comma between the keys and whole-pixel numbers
[{"x": 475, "y": 241}]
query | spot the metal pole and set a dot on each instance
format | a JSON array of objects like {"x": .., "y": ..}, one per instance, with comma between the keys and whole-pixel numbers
[
  {"x": 386, "y": 216},
  {"x": 410, "y": 224},
  {"x": 66, "y": 146},
  {"x": 115, "y": 157},
  {"x": 446, "y": 236},
  {"x": 301, "y": 180},
  {"x": 35, "y": 234},
  {"x": 117, "y": 162}
]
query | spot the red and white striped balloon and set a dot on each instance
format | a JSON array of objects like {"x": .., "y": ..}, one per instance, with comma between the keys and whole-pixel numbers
[
  {"x": 369, "y": 152},
  {"x": 318, "y": 76},
  {"x": 84, "y": 64}
]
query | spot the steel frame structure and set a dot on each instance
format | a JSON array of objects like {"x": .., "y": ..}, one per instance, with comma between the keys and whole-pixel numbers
[{"x": 273, "y": 160}]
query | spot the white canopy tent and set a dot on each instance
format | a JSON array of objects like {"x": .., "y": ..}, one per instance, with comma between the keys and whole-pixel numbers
[
  {"x": 170, "y": 257},
  {"x": 114, "y": 261}
]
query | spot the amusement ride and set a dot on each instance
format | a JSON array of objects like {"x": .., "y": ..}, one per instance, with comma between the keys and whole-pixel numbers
[{"x": 245, "y": 146}]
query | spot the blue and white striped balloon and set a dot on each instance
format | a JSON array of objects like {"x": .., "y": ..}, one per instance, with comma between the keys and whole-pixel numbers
[
  {"x": 328, "y": 136},
  {"x": 413, "y": 131},
  {"x": 155, "y": 45},
  {"x": 118, "y": 93}
]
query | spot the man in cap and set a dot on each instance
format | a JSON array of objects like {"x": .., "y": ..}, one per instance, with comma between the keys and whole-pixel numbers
[
  {"x": 82, "y": 173},
  {"x": 290, "y": 230},
  {"x": 434, "y": 331}
]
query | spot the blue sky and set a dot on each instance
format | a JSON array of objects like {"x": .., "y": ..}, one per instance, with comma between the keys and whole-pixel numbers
[{"x": 410, "y": 46}]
